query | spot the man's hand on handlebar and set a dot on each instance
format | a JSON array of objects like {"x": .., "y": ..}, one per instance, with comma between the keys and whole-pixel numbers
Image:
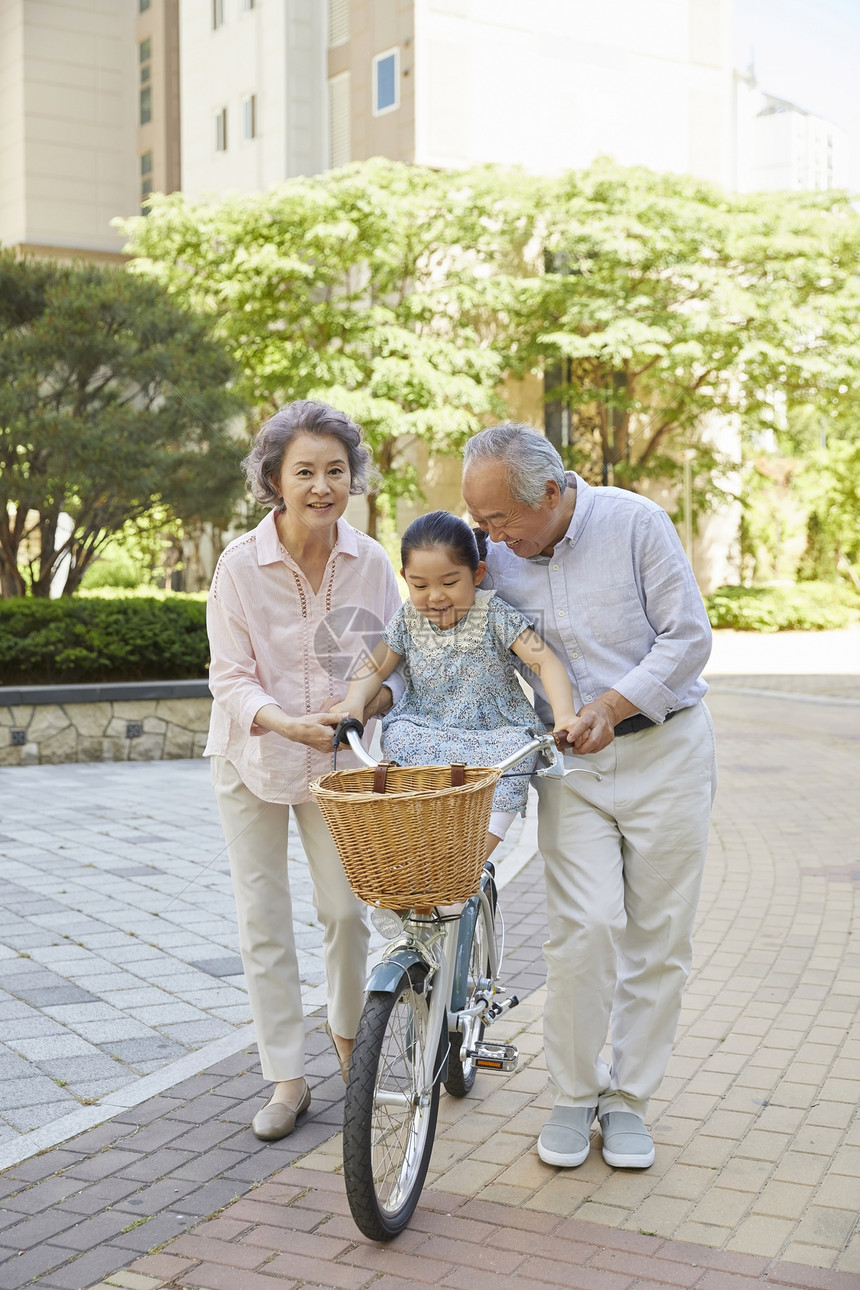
[{"x": 575, "y": 734}]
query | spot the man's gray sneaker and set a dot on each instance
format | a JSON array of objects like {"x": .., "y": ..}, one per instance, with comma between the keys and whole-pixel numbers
[
  {"x": 627, "y": 1143},
  {"x": 564, "y": 1139}
]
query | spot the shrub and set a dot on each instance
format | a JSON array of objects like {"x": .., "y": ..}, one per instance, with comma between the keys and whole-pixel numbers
[
  {"x": 100, "y": 637},
  {"x": 807, "y": 607}
]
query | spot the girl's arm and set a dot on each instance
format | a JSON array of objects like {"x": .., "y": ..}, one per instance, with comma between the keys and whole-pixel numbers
[
  {"x": 541, "y": 660},
  {"x": 367, "y": 681}
]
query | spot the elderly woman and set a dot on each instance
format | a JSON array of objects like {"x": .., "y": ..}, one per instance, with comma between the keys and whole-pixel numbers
[{"x": 294, "y": 605}]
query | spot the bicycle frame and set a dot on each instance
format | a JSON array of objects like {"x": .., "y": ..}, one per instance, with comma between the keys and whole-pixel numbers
[{"x": 426, "y": 941}]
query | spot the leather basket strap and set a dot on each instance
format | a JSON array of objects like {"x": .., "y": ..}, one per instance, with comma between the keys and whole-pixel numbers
[
  {"x": 458, "y": 774},
  {"x": 380, "y": 775}
]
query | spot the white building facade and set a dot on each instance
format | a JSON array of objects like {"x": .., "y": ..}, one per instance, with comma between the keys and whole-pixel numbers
[
  {"x": 253, "y": 93},
  {"x": 68, "y": 107}
]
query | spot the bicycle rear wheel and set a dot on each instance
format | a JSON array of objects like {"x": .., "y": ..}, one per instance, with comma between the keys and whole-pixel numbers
[{"x": 389, "y": 1118}]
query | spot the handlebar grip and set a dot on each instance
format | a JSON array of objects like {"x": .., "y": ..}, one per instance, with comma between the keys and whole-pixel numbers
[{"x": 342, "y": 729}]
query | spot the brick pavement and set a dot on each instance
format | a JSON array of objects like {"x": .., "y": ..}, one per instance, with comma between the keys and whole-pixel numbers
[
  {"x": 758, "y": 1162},
  {"x": 105, "y": 989}
]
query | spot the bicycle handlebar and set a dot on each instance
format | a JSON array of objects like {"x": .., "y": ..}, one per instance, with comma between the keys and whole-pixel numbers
[{"x": 349, "y": 730}]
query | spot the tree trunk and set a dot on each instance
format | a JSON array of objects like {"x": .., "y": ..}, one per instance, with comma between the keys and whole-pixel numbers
[{"x": 372, "y": 514}]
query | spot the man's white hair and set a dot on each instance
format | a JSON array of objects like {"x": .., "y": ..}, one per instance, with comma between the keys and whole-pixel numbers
[{"x": 529, "y": 458}]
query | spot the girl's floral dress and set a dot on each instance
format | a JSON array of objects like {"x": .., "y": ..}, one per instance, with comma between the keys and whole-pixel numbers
[{"x": 463, "y": 701}]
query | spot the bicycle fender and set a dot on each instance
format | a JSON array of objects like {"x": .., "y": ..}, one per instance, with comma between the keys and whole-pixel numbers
[
  {"x": 460, "y": 984},
  {"x": 387, "y": 976}
]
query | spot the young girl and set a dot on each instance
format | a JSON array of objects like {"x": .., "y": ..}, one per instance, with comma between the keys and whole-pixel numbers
[{"x": 463, "y": 702}]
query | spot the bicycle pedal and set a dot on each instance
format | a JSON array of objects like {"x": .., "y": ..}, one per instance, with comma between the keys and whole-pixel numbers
[{"x": 494, "y": 1057}]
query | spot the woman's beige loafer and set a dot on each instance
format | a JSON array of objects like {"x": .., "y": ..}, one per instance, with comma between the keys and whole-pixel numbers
[{"x": 277, "y": 1119}]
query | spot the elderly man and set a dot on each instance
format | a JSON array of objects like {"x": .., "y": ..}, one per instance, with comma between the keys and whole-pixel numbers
[{"x": 603, "y": 575}]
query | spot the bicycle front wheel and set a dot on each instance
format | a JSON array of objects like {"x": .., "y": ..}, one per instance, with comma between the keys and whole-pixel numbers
[{"x": 390, "y": 1117}]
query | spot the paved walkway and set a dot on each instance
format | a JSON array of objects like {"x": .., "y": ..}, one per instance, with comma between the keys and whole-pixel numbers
[
  {"x": 119, "y": 967},
  {"x": 758, "y": 1163}
]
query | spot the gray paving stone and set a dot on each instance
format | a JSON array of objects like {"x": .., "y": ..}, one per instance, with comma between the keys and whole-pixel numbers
[
  {"x": 21, "y": 1271},
  {"x": 47, "y": 1048},
  {"x": 194, "y": 1033},
  {"x": 86, "y": 1270},
  {"x": 53, "y": 996},
  {"x": 12, "y": 1067},
  {"x": 102, "y": 1195},
  {"x": 93, "y": 1066},
  {"x": 27, "y": 1118},
  {"x": 229, "y": 965},
  {"x": 101, "y": 1165},
  {"x": 159, "y": 1228},
  {"x": 45, "y": 1194},
  {"x": 167, "y": 1193},
  {"x": 35, "y": 1228},
  {"x": 30, "y": 1090},
  {"x": 110, "y": 1032},
  {"x": 131, "y": 1051}
]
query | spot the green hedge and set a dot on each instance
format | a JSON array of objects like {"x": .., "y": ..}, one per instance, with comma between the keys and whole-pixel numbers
[
  {"x": 806, "y": 607},
  {"x": 96, "y": 638}
]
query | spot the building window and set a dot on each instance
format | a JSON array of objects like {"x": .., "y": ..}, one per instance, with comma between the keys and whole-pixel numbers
[
  {"x": 143, "y": 5},
  {"x": 146, "y": 105},
  {"x": 221, "y": 130},
  {"x": 145, "y": 180},
  {"x": 338, "y": 22},
  {"x": 249, "y": 117},
  {"x": 248, "y": 5},
  {"x": 386, "y": 82},
  {"x": 217, "y": 14},
  {"x": 145, "y": 52},
  {"x": 340, "y": 143}
]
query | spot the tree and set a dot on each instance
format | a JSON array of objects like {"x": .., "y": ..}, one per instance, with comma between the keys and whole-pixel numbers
[
  {"x": 112, "y": 398},
  {"x": 365, "y": 287},
  {"x": 662, "y": 300}
]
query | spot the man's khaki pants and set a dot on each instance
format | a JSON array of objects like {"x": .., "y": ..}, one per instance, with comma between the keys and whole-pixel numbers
[
  {"x": 624, "y": 860},
  {"x": 256, "y": 834}
]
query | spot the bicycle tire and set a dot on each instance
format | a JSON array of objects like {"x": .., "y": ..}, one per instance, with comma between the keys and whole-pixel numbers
[
  {"x": 462, "y": 1072},
  {"x": 385, "y": 1156}
]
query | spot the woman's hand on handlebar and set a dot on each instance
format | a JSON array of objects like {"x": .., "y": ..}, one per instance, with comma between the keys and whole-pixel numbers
[{"x": 314, "y": 730}]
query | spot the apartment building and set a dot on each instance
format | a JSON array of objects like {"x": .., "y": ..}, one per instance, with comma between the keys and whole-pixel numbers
[
  {"x": 275, "y": 88},
  {"x": 253, "y": 83},
  {"x": 159, "y": 147},
  {"x": 68, "y": 107}
]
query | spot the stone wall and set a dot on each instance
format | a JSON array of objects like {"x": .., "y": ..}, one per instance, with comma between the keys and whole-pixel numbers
[{"x": 50, "y": 724}]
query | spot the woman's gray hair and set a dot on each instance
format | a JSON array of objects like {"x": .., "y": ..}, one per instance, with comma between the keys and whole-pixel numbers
[
  {"x": 262, "y": 466},
  {"x": 530, "y": 460}
]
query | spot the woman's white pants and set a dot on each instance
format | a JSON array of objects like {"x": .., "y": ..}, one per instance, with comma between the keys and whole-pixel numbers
[
  {"x": 624, "y": 860},
  {"x": 256, "y": 836}
]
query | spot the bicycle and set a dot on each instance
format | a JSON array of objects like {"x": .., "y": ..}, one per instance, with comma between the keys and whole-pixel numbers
[{"x": 429, "y": 1002}]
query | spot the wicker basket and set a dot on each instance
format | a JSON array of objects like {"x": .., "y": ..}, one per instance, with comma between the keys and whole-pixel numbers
[{"x": 418, "y": 843}]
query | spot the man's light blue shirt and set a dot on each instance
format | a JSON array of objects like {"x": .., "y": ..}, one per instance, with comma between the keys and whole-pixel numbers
[{"x": 617, "y": 601}]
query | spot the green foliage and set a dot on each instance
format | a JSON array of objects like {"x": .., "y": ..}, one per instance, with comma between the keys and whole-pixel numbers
[
  {"x": 664, "y": 300},
  {"x": 831, "y": 487},
  {"x": 650, "y": 302},
  {"x": 112, "y": 397},
  {"x": 808, "y": 607},
  {"x": 363, "y": 286},
  {"x": 102, "y": 637}
]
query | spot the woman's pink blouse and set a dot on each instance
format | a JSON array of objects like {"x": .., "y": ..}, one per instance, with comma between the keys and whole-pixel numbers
[{"x": 274, "y": 641}]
